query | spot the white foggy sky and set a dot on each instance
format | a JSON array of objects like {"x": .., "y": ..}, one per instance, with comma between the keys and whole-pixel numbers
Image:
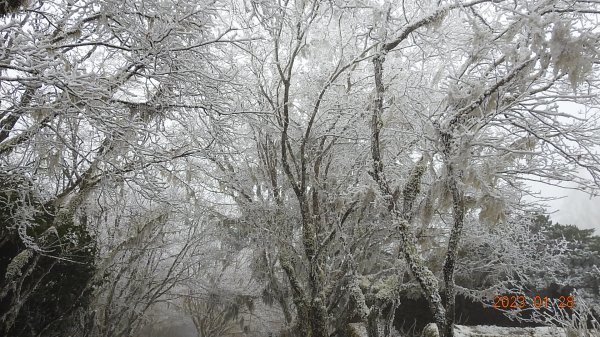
[{"x": 576, "y": 208}]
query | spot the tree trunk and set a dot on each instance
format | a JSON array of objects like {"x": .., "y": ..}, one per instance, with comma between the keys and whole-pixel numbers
[
  {"x": 303, "y": 326},
  {"x": 458, "y": 214},
  {"x": 372, "y": 326},
  {"x": 389, "y": 321},
  {"x": 303, "y": 312},
  {"x": 319, "y": 319},
  {"x": 427, "y": 280}
]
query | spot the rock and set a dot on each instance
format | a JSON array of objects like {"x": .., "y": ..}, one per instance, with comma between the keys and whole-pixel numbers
[{"x": 431, "y": 330}]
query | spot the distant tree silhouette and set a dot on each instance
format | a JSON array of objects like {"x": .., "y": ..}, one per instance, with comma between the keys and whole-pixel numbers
[{"x": 9, "y": 6}]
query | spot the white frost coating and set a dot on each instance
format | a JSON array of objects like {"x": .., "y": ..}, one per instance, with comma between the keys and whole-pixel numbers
[
  {"x": 493, "y": 331},
  {"x": 358, "y": 329},
  {"x": 358, "y": 296},
  {"x": 431, "y": 330},
  {"x": 18, "y": 262}
]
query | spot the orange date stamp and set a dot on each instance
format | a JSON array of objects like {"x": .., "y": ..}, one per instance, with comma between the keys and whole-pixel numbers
[{"x": 536, "y": 302}]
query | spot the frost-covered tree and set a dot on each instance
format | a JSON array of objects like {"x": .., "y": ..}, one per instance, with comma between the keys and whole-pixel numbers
[
  {"x": 575, "y": 267},
  {"x": 448, "y": 107},
  {"x": 491, "y": 117},
  {"x": 144, "y": 261},
  {"x": 93, "y": 103},
  {"x": 221, "y": 300},
  {"x": 351, "y": 146}
]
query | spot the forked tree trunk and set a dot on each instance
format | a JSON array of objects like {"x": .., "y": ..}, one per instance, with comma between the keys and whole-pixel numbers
[
  {"x": 427, "y": 280},
  {"x": 372, "y": 320}
]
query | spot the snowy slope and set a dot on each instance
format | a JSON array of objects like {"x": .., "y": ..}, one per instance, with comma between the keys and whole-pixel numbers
[{"x": 493, "y": 331}]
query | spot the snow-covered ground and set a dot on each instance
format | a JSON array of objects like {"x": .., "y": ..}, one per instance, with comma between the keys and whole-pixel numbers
[
  {"x": 493, "y": 331},
  {"x": 498, "y": 331}
]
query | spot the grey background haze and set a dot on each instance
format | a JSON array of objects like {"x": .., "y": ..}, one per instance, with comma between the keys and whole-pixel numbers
[
  {"x": 578, "y": 209},
  {"x": 575, "y": 208}
]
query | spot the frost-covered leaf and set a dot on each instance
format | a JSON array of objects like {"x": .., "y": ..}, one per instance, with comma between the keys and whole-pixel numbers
[{"x": 15, "y": 266}]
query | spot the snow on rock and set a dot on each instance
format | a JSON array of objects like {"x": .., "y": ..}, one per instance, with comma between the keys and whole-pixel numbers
[
  {"x": 431, "y": 330},
  {"x": 358, "y": 330}
]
